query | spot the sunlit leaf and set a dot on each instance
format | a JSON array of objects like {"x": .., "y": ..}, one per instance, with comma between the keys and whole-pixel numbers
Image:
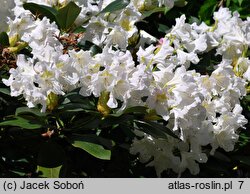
[
  {"x": 23, "y": 123},
  {"x": 115, "y": 5},
  {"x": 41, "y": 10},
  {"x": 95, "y": 150},
  {"x": 67, "y": 15}
]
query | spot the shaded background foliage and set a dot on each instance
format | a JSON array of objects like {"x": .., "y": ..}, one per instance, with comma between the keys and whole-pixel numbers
[{"x": 75, "y": 141}]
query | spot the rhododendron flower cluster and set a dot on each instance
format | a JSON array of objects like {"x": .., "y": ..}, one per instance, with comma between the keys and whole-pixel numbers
[{"x": 201, "y": 109}]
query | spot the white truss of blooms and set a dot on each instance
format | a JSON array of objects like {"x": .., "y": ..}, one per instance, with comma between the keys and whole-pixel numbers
[{"x": 200, "y": 109}]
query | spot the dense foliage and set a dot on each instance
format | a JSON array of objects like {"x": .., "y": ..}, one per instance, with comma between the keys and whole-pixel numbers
[{"x": 116, "y": 88}]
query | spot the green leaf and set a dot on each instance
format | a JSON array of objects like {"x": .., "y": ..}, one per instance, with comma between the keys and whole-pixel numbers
[
  {"x": 93, "y": 138},
  {"x": 41, "y": 10},
  {"x": 240, "y": 2},
  {"x": 79, "y": 29},
  {"x": 159, "y": 126},
  {"x": 4, "y": 39},
  {"x": 136, "y": 109},
  {"x": 155, "y": 10},
  {"x": 93, "y": 48},
  {"x": 162, "y": 28},
  {"x": 22, "y": 122},
  {"x": 87, "y": 122},
  {"x": 115, "y": 6},
  {"x": 180, "y": 3},
  {"x": 207, "y": 9},
  {"x": 27, "y": 110},
  {"x": 114, "y": 120},
  {"x": 67, "y": 15},
  {"x": 49, "y": 172},
  {"x": 94, "y": 149},
  {"x": 5, "y": 91},
  {"x": 247, "y": 98},
  {"x": 155, "y": 129}
]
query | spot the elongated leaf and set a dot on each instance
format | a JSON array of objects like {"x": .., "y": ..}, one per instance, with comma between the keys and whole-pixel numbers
[
  {"x": 4, "y": 39},
  {"x": 89, "y": 122},
  {"x": 111, "y": 120},
  {"x": 5, "y": 91},
  {"x": 162, "y": 128},
  {"x": 180, "y": 3},
  {"x": 21, "y": 122},
  {"x": 145, "y": 127},
  {"x": 50, "y": 172},
  {"x": 87, "y": 45},
  {"x": 207, "y": 9},
  {"x": 41, "y": 10},
  {"x": 240, "y": 2},
  {"x": 163, "y": 28},
  {"x": 27, "y": 110},
  {"x": 93, "y": 138},
  {"x": 95, "y": 150},
  {"x": 155, "y": 129},
  {"x": 79, "y": 29},
  {"x": 115, "y": 6},
  {"x": 136, "y": 109},
  {"x": 155, "y": 10},
  {"x": 95, "y": 50},
  {"x": 67, "y": 15}
]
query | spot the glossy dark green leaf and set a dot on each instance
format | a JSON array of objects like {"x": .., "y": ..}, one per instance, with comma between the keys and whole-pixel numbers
[
  {"x": 87, "y": 121},
  {"x": 180, "y": 3},
  {"x": 145, "y": 127},
  {"x": 157, "y": 130},
  {"x": 5, "y": 91},
  {"x": 75, "y": 107},
  {"x": 93, "y": 138},
  {"x": 27, "y": 110},
  {"x": 89, "y": 46},
  {"x": 207, "y": 9},
  {"x": 79, "y": 29},
  {"x": 23, "y": 123},
  {"x": 67, "y": 15},
  {"x": 41, "y": 10},
  {"x": 49, "y": 172},
  {"x": 155, "y": 10},
  {"x": 163, "y": 28},
  {"x": 95, "y": 50},
  {"x": 136, "y": 109},
  {"x": 93, "y": 149},
  {"x": 4, "y": 39},
  {"x": 112, "y": 120},
  {"x": 115, "y": 6}
]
